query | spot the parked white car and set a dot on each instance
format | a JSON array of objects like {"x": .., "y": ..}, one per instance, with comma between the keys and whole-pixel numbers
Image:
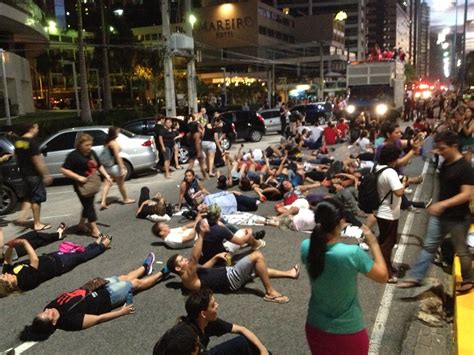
[
  {"x": 272, "y": 119},
  {"x": 138, "y": 152}
]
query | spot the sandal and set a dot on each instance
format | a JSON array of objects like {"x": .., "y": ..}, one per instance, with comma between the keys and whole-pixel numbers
[
  {"x": 464, "y": 287},
  {"x": 63, "y": 227},
  {"x": 276, "y": 299}
]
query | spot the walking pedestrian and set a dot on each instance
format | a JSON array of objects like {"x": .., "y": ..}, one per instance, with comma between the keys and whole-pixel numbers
[
  {"x": 81, "y": 166},
  {"x": 167, "y": 144},
  {"x": 34, "y": 174},
  {"x": 195, "y": 148},
  {"x": 115, "y": 167}
]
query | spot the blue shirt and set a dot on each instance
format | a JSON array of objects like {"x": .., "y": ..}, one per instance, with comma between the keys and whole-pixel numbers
[
  {"x": 334, "y": 306},
  {"x": 226, "y": 201}
]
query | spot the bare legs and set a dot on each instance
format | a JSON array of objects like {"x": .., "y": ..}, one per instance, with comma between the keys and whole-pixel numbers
[
  {"x": 120, "y": 180},
  {"x": 141, "y": 284}
]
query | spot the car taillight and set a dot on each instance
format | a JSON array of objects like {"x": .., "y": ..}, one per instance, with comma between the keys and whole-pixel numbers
[
  {"x": 147, "y": 143},
  {"x": 233, "y": 127},
  {"x": 260, "y": 118}
]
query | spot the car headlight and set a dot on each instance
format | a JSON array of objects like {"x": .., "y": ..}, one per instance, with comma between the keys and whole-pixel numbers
[
  {"x": 417, "y": 94},
  {"x": 426, "y": 94},
  {"x": 381, "y": 109},
  {"x": 350, "y": 109}
]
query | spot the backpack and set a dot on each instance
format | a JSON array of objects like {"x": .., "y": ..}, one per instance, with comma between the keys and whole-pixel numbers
[{"x": 369, "y": 199}]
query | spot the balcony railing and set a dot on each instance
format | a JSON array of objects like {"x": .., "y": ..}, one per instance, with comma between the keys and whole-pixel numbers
[{"x": 29, "y": 7}]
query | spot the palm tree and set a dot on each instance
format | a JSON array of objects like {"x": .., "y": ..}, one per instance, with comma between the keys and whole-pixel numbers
[
  {"x": 105, "y": 62},
  {"x": 86, "y": 114}
]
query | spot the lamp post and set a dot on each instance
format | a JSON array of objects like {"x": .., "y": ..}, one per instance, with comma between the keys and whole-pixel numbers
[
  {"x": 76, "y": 91},
  {"x": 225, "y": 87},
  {"x": 5, "y": 89}
]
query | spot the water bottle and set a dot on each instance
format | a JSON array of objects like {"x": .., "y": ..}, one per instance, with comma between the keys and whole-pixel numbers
[{"x": 130, "y": 297}]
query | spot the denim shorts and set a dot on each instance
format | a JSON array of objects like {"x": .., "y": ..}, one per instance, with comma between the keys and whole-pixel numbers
[
  {"x": 209, "y": 147},
  {"x": 119, "y": 291}
]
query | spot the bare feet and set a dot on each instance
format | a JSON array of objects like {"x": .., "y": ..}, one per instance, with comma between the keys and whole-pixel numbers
[
  {"x": 128, "y": 201},
  {"x": 103, "y": 207},
  {"x": 295, "y": 272}
]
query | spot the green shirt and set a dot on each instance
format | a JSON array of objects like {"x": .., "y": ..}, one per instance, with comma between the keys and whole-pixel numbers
[{"x": 334, "y": 306}]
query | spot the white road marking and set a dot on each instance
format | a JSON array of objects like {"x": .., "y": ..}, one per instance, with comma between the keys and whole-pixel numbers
[
  {"x": 24, "y": 347},
  {"x": 386, "y": 301}
]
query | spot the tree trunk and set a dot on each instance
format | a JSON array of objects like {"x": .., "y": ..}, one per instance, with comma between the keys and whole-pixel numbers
[
  {"x": 105, "y": 63},
  {"x": 86, "y": 114}
]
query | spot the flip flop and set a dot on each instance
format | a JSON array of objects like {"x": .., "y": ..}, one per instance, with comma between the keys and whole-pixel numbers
[
  {"x": 408, "y": 283},
  {"x": 276, "y": 299},
  {"x": 297, "y": 268},
  {"x": 45, "y": 227},
  {"x": 464, "y": 287}
]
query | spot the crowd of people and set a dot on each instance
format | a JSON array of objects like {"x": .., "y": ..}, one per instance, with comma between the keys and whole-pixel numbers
[{"x": 312, "y": 193}]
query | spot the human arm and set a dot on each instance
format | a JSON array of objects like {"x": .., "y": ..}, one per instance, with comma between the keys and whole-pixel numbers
[
  {"x": 379, "y": 272},
  {"x": 218, "y": 257},
  {"x": 34, "y": 260},
  {"x": 415, "y": 145},
  {"x": 162, "y": 143},
  {"x": 104, "y": 173},
  {"x": 198, "y": 145},
  {"x": 250, "y": 336},
  {"x": 72, "y": 175},
  {"x": 41, "y": 168},
  {"x": 141, "y": 207},
  {"x": 465, "y": 195},
  {"x": 91, "y": 319},
  {"x": 182, "y": 191},
  {"x": 202, "y": 188},
  {"x": 217, "y": 140}
]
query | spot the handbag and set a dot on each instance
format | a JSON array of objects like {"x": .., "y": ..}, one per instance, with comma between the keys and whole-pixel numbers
[
  {"x": 94, "y": 284},
  {"x": 91, "y": 186}
]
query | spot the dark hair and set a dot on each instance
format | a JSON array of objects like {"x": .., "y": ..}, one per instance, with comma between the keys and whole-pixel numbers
[
  {"x": 328, "y": 214},
  {"x": 189, "y": 171},
  {"x": 171, "y": 263},
  {"x": 181, "y": 339},
  {"x": 387, "y": 128},
  {"x": 197, "y": 302},
  {"x": 449, "y": 138},
  {"x": 193, "y": 128},
  {"x": 111, "y": 134},
  {"x": 25, "y": 127},
  {"x": 389, "y": 153},
  {"x": 245, "y": 184},
  {"x": 155, "y": 229},
  {"x": 39, "y": 330}
]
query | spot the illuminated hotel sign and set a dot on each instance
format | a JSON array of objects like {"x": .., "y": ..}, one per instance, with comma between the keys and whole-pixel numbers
[{"x": 225, "y": 28}]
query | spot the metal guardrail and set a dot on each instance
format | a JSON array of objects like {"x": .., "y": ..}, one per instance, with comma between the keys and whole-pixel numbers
[{"x": 29, "y": 7}]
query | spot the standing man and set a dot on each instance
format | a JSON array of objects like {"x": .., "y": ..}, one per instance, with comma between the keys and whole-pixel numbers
[
  {"x": 34, "y": 174},
  {"x": 284, "y": 113},
  {"x": 390, "y": 190},
  {"x": 449, "y": 215}
]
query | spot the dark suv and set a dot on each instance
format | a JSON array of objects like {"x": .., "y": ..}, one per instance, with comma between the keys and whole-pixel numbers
[
  {"x": 13, "y": 186},
  {"x": 248, "y": 125},
  {"x": 314, "y": 112}
]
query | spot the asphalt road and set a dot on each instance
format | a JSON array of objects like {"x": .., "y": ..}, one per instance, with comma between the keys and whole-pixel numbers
[{"x": 280, "y": 327}]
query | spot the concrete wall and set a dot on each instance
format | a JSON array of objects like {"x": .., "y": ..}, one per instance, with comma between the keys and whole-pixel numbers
[{"x": 19, "y": 84}]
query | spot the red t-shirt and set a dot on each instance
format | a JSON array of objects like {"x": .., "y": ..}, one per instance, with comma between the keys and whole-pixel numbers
[
  {"x": 343, "y": 128},
  {"x": 330, "y": 135}
]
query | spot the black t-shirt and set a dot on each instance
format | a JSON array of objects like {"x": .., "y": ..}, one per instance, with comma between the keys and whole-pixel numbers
[
  {"x": 168, "y": 137},
  {"x": 452, "y": 177},
  {"x": 209, "y": 134},
  {"x": 215, "y": 329},
  {"x": 74, "y": 305},
  {"x": 28, "y": 277},
  {"x": 84, "y": 165},
  {"x": 25, "y": 150},
  {"x": 213, "y": 241}
]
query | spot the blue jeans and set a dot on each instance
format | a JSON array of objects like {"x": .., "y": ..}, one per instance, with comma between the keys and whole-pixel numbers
[
  {"x": 435, "y": 233},
  {"x": 120, "y": 291}
]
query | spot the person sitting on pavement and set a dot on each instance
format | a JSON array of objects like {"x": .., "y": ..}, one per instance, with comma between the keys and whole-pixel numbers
[
  {"x": 220, "y": 238},
  {"x": 34, "y": 238},
  {"x": 95, "y": 302},
  {"x": 225, "y": 279},
  {"x": 153, "y": 209},
  {"x": 200, "y": 323},
  {"x": 175, "y": 238},
  {"x": 27, "y": 275},
  {"x": 191, "y": 191}
]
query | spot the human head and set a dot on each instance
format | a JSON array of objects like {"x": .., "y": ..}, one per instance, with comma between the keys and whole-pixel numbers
[
  {"x": 329, "y": 216},
  {"x": 245, "y": 184},
  {"x": 213, "y": 213},
  {"x": 112, "y": 134},
  {"x": 447, "y": 144},
  {"x": 201, "y": 304},
  {"x": 84, "y": 142},
  {"x": 390, "y": 131},
  {"x": 43, "y": 325},
  {"x": 183, "y": 339},
  {"x": 31, "y": 128},
  {"x": 168, "y": 122},
  {"x": 286, "y": 185},
  {"x": 389, "y": 154},
  {"x": 160, "y": 229},
  {"x": 8, "y": 284},
  {"x": 189, "y": 175}
]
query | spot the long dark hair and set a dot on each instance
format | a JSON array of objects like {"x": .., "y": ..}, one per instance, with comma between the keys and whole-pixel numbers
[
  {"x": 112, "y": 134},
  {"x": 327, "y": 215}
]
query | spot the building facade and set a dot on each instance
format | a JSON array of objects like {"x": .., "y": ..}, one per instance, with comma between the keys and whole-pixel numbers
[{"x": 355, "y": 24}]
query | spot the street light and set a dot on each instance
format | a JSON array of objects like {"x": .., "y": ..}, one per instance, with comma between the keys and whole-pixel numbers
[
  {"x": 192, "y": 20},
  {"x": 225, "y": 87},
  {"x": 5, "y": 89}
]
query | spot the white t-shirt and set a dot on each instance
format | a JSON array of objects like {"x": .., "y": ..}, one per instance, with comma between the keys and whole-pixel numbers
[
  {"x": 256, "y": 153},
  {"x": 174, "y": 240},
  {"x": 363, "y": 143},
  {"x": 387, "y": 181},
  {"x": 316, "y": 133},
  {"x": 304, "y": 220}
]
